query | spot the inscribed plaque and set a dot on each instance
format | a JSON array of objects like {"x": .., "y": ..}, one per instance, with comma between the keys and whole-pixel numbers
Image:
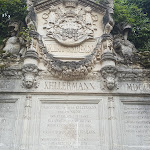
[
  {"x": 69, "y": 126},
  {"x": 137, "y": 126},
  {"x": 7, "y": 126}
]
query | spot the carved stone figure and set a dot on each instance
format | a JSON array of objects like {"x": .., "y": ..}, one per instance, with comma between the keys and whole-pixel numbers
[
  {"x": 52, "y": 15},
  {"x": 109, "y": 74},
  {"x": 31, "y": 17},
  {"x": 30, "y": 71},
  {"x": 29, "y": 81},
  {"x": 107, "y": 52},
  {"x": 15, "y": 45},
  {"x": 108, "y": 22},
  {"x": 123, "y": 47},
  {"x": 107, "y": 43},
  {"x": 110, "y": 4},
  {"x": 110, "y": 82},
  {"x": 88, "y": 17}
]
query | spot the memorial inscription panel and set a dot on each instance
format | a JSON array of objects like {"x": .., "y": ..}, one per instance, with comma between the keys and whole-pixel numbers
[
  {"x": 137, "y": 126},
  {"x": 63, "y": 51},
  {"x": 7, "y": 125},
  {"x": 69, "y": 126}
]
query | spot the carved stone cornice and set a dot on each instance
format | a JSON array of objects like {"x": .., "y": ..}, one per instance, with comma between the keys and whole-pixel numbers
[
  {"x": 134, "y": 75},
  {"x": 108, "y": 56},
  {"x": 31, "y": 54},
  {"x": 10, "y": 73},
  {"x": 43, "y": 5}
]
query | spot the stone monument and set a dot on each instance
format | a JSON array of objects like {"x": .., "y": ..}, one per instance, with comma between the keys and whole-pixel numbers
[{"x": 74, "y": 86}]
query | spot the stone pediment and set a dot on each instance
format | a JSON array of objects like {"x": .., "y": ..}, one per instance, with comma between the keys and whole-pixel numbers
[
  {"x": 41, "y": 5},
  {"x": 69, "y": 33}
]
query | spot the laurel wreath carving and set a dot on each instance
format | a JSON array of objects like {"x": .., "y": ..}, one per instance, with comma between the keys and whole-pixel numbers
[{"x": 67, "y": 70}]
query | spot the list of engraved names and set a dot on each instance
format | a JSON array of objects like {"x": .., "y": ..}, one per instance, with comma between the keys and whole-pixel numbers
[
  {"x": 69, "y": 126},
  {"x": 137, "y": 126},
  {"x": 7, "y": 124}
]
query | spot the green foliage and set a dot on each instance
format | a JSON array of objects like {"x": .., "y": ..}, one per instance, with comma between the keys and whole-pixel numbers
[
  {"x": 129, "y": 11},
  {"x": 1, "y": 40},
  {"x": 135, "y": 12},
  {"x": 11, "y": 10},
  {"x": 143, "y": 4},
  {"x": 25, "y": 34}
]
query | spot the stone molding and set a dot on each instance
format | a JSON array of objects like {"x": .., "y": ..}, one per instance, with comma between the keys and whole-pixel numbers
[
  {"x": 122, "y": 76},
  {"x": 42, "y": 5}
]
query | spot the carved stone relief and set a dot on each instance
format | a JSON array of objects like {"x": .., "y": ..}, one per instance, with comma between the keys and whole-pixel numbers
[
  {"x": 14, "y": 45},
  {"x": 107, "y": 47},
  {"x": 108, "y": 22},
  {"x": 124, "y": 48},
  {"x": 30, "y": 73},
  {"x": 109, "y": 75},
  {"x": 26, "y": 123},
  {"x": 70, "y": 26},
  {"x": 71, "y": 69},
  {"x": 10, "y": 73},
  {"x": 31, "y": 17},
  {"x": 134, "y": 75}
]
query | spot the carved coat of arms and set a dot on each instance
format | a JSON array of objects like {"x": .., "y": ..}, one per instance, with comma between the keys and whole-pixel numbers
[{"x": 70, "y": 26}]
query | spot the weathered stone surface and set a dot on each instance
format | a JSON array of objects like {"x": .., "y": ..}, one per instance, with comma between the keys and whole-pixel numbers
[
  {"x": 137, "y": 125},
  {"x": 77, "y": 86},
  {"x": 69, "y": 126},
  {"x": 7, "y": 125}
]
